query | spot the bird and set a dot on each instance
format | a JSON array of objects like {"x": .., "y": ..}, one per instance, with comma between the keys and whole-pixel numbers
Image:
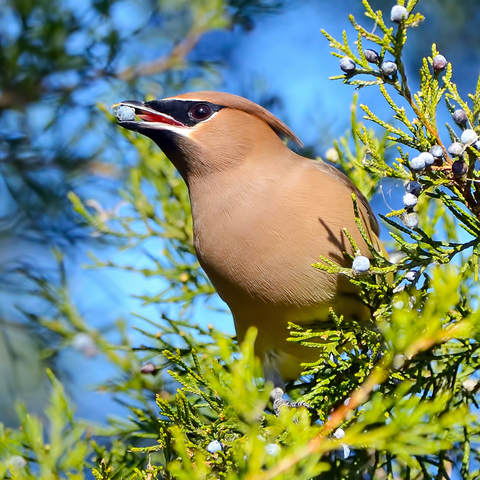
[{"x": 262, "y": 215}]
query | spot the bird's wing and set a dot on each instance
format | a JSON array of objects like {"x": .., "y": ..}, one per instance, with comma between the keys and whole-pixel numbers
[{"x": 338, "y": 175}]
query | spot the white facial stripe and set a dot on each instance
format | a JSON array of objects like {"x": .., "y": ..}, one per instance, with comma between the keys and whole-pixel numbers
[{"x": 184, "y": 131}]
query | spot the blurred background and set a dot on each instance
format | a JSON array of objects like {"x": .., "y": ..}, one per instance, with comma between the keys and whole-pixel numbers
[{"x": 62, "y": 64}]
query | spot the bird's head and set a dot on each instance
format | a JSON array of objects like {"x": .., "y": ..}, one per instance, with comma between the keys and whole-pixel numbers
[{"x": 206, "y": 132}]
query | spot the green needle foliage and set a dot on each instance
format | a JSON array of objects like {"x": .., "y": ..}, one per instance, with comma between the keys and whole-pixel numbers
[
  {"x": 396, "y": 398},
  {"x": 26, "y": 454}
]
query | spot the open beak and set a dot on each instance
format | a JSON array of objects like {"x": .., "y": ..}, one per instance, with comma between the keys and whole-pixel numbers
[{"x": 146, "y": 114}]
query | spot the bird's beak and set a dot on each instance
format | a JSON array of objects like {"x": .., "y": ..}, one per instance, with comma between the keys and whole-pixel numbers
[{"x": 146, "y": 114}]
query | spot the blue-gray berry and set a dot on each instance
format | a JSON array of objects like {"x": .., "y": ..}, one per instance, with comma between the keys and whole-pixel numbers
[
  {"x": 439, "y": 63},
  {"x": 17, "y": 462},
  {"x": 214, "y": 446},
  {"x": 85, "y": 344},
  {"x": 125, "y": 114},
  {"x": 411, "y": 276},
  {"x": 371, "y": 55},
  {"x": 427, "y": 157},
  {"x": 477, "y": 145},
  {"x": 456, "y": 149},
  {"x": 272, "y": 449},
  {"x": 398, "y": 14},
  {"x": 459, "y": 168},
  {"x": 347, "y": 65},
  {"x": 388, "y": 67},
  {"x": 409, "y": 200},
  {"x": 411, "y": 220},
  {"x": 460, "y": 117},
  {"x": 437, "y": 151},
  {"x": 417, "y": 164},
  {"x": 361, "y": 264},
  {"x": 469, "y": 136},
  {"x": 414, "y": 188},
  {"x": 343, "y": 451}
]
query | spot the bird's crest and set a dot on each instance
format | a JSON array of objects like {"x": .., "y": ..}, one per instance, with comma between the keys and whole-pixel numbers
[{"x": 229, "y": 100}]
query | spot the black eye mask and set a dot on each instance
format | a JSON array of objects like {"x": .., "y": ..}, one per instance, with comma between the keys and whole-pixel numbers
[{"x": 186, "y": 112}]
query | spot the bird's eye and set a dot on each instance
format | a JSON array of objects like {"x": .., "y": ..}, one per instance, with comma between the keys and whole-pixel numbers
[{"x": 200, "y": 111}]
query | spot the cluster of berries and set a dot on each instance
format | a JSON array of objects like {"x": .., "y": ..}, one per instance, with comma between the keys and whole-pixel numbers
[
  {"x": 410, "y": 218},
  {"x": 388, "y": 67},
  {"x": 397, "y": 15},
  {"x": 424, "y": 160},
  {"x": 410, "y": 199},
  {"x": 435, "y": 155},
  {"x": 469, "y": 138}
]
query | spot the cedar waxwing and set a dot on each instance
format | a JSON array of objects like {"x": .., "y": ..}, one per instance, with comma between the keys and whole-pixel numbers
[{"x": 262, "y": 215}]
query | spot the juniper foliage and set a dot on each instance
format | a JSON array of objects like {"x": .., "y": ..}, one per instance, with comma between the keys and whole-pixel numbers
[{"x": 394, "y": 399}]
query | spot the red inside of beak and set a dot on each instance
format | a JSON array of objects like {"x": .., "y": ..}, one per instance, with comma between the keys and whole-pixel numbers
[{"x": 151, "y": 117}]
